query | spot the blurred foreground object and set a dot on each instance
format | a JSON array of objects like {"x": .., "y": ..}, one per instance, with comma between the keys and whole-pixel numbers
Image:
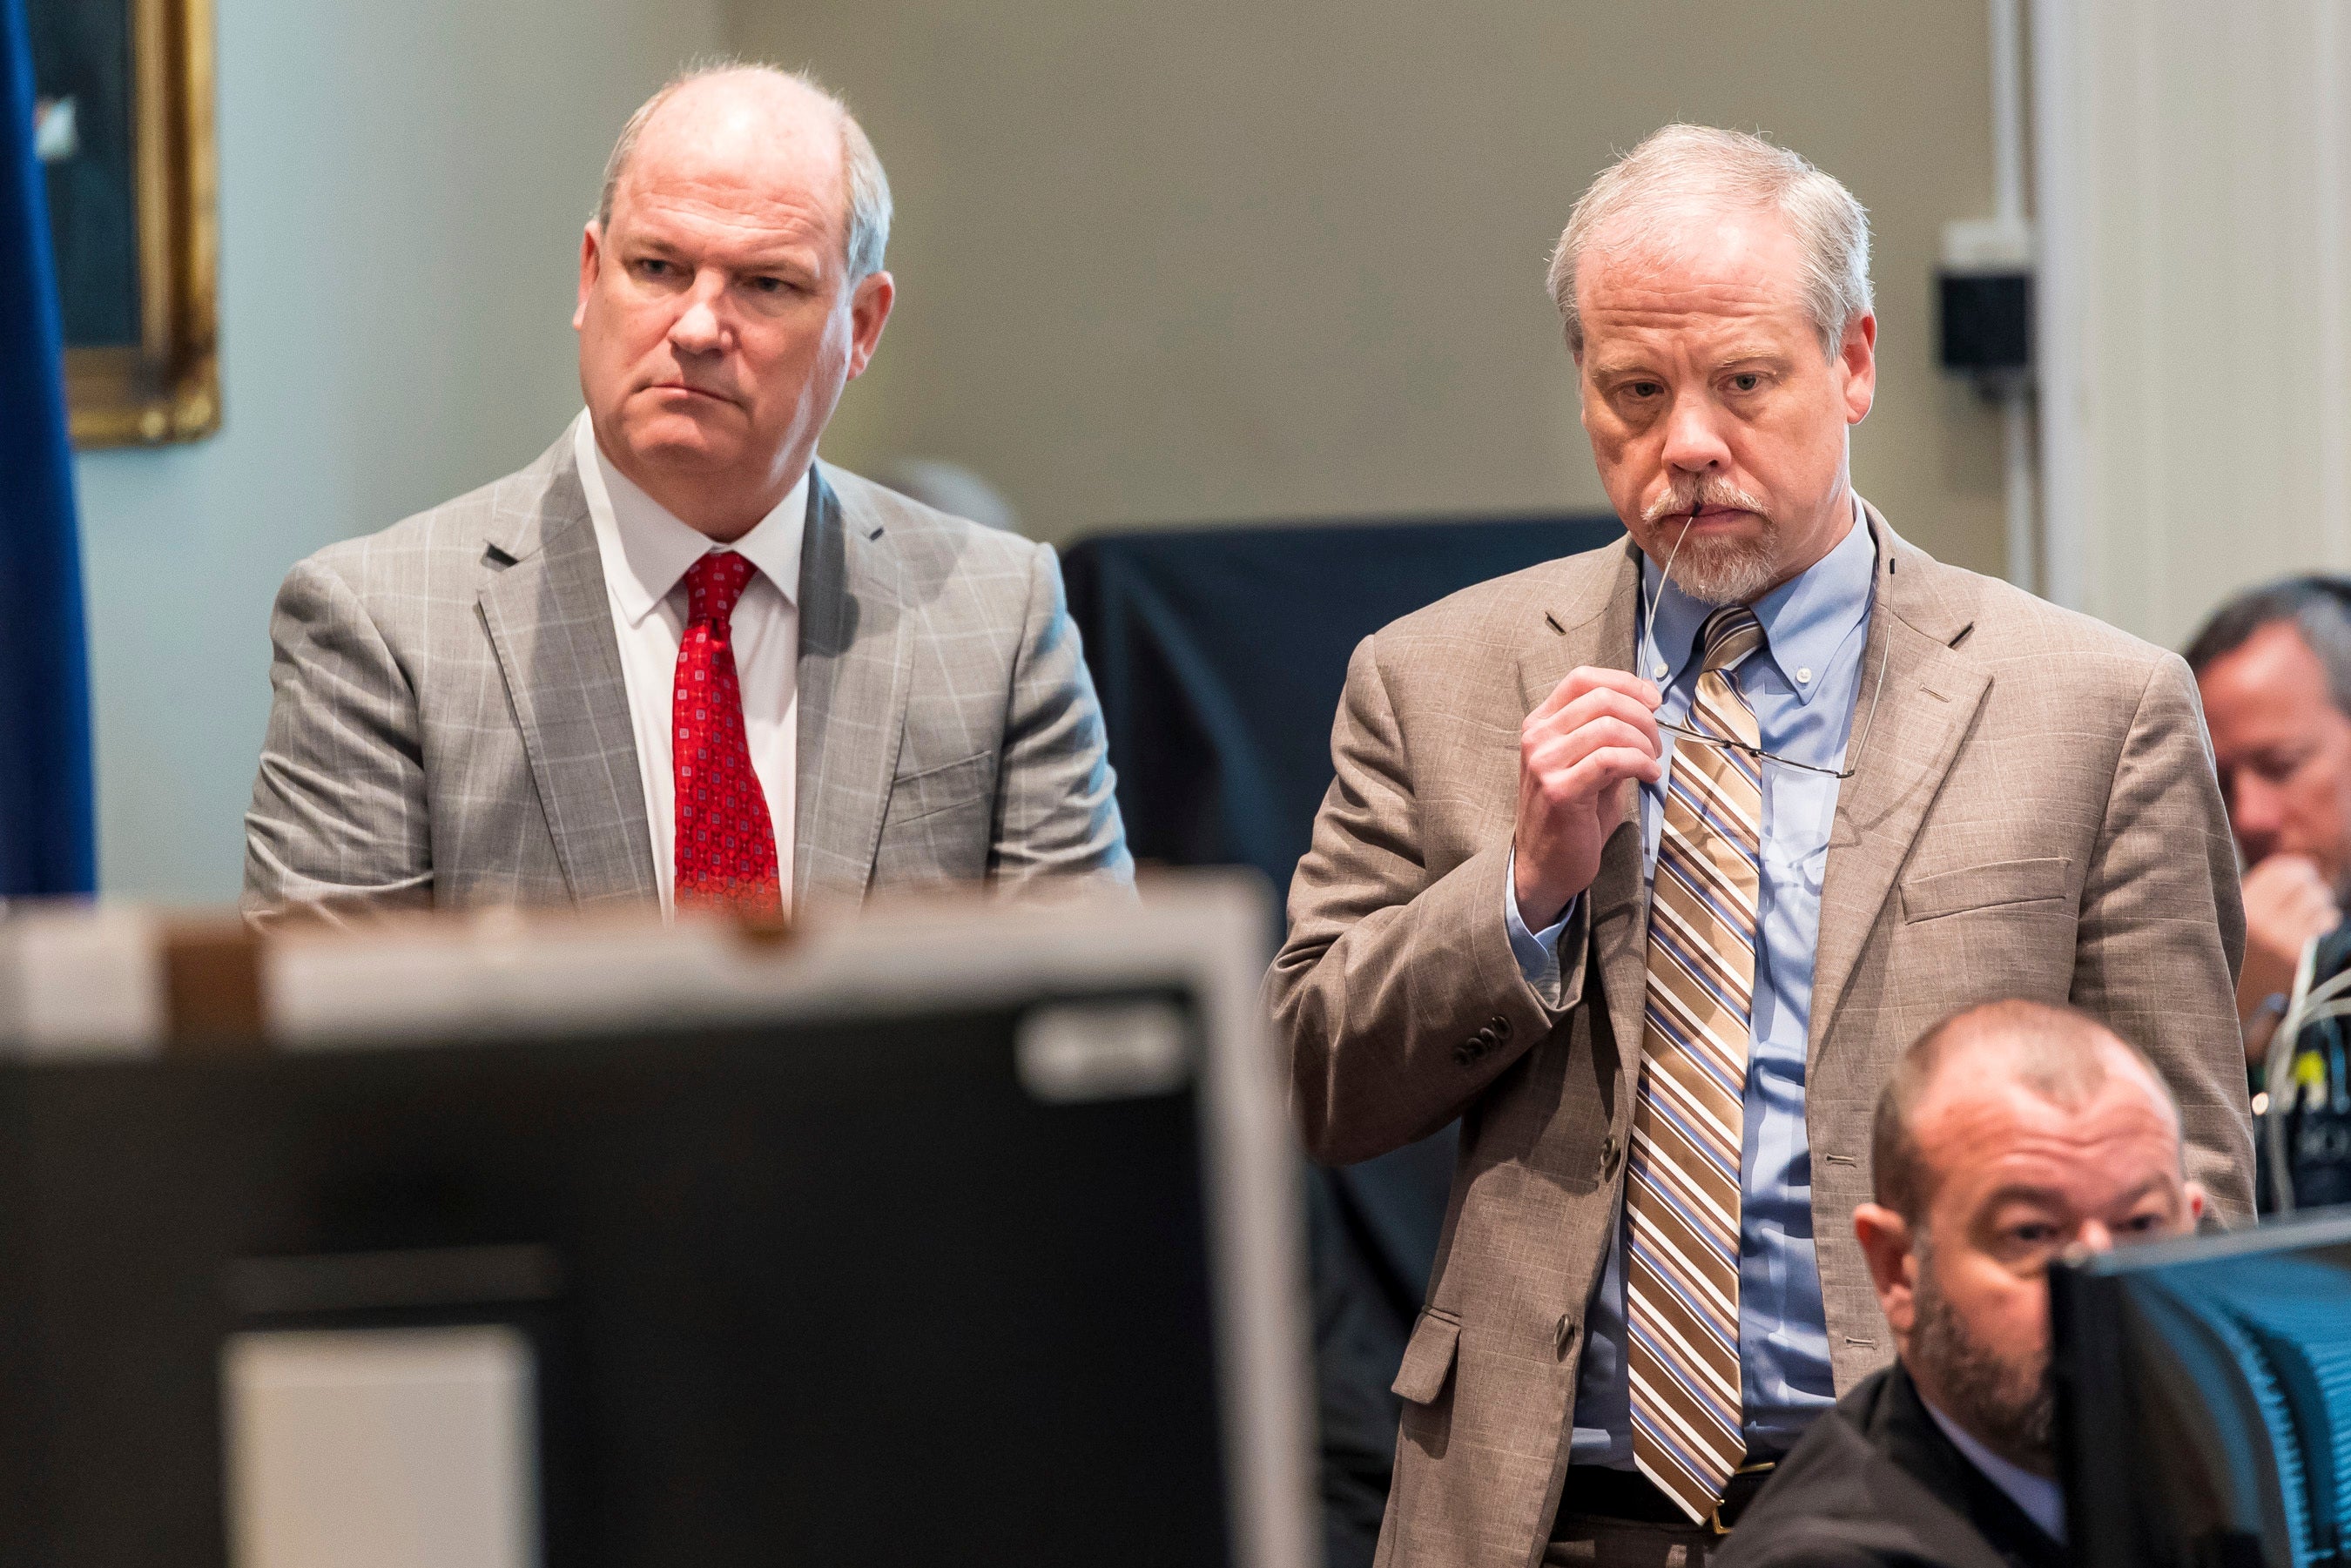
[
  {"x": 2204, "y": 1399},
  {"x": 723, "y": 1246}
]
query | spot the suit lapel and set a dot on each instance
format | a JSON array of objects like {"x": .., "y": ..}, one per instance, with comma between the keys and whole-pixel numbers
[
  {"x": 1597, "y": 628},
  {"x": 552, "y": 624},
  {"x": 852, "y": 693},
  {"x": 1904, "y": 739}
]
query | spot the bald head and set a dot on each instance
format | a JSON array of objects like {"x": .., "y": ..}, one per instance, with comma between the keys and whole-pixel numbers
[
  {"x": 749, "y": 120},
  {"x": 2059, "y": 1056}
]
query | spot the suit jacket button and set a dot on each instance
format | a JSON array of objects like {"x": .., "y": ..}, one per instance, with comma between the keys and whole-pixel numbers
[
  {"x": 1608, "y": 1157},
  {"x": 1562, "y": 1335},
  {"x": 1466, "y": 1053},
  {"x": 1502, "y": 1027}
]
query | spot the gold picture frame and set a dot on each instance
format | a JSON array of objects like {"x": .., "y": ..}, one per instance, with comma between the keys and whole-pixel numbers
[{"x": 166, "y": 386}]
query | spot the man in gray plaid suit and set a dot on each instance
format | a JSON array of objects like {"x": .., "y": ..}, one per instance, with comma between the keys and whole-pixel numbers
[{"x": 501, "y": 701}]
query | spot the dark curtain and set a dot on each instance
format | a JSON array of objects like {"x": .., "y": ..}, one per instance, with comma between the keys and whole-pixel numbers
[
  {"x": 1219, "y": 654},
  {"x": 49, "y": 830}
]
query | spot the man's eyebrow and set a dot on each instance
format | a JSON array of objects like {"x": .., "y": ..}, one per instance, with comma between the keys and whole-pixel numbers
[
  {"x": 2021, "y": 1192},
  {"x": 785, "y": 261},
  {"x": 2051, "y": 1197},
  {"x": 1744, "y": 354},
  {"x": 777, "y": 261}
]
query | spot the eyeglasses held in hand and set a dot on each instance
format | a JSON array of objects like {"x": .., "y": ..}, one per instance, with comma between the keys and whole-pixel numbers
[{"x": 1852, "y": 752}]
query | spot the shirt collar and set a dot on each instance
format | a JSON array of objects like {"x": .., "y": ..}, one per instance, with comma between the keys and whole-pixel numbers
[
  {"x": 655, "y": 548},
  {"x": 1805, "y": 620},
  {"x": 2042, "y": 1499}
]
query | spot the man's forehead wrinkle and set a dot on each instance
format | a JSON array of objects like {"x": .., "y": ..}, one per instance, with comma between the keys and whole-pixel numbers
[
  {"x": 1671, "y": 223},
  {"x": 1719, "y": 241},
  {"x": 785, "y": 215},
  {"x": 752, "y": 163},
  {"x": 1682, "y": 305},
  {"x": 2019, "y": 1129},
  {"x": 702, "y": 189},
  {"x": 1674, "y": 306}
]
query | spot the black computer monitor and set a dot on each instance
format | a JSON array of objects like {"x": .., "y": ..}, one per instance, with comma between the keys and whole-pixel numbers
[
  {"x": 2204, "y": 1399},
  {"x": 959, "y": 1235}
]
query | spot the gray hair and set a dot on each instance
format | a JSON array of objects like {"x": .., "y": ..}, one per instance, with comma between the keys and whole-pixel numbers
[
  {"x": 869, "y": 189},
  {"x": 1634, "y": 199},
  {"x": 2319, "y": 607}
]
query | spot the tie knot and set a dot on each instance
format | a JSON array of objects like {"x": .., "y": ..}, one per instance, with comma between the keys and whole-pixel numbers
[
  {"x": 714, "y": 583},
  {"x": 1730, "y": 634}
]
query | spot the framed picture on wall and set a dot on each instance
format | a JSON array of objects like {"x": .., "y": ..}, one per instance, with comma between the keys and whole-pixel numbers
[{"x": 123, "y": 124}]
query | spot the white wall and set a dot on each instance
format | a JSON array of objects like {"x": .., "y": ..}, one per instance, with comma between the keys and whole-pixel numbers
[
  {"x": 1218, "y": 259},
  {"x": 401, "y": 187},
  {"x": 2197, "y": 402}
]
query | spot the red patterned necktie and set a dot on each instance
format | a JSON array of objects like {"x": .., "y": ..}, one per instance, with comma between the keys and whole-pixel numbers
[{"x": 726, "y": 844}]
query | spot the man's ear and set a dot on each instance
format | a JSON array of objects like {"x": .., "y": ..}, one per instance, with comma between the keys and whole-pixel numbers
[
  {"x": 590, "y": 258},
  {"x": 1886, "y": 1242},
  {"x": 869, "y": 312},
  {"x": 1858, "y": 356},
  {"x": 2196, "y": 1205}
]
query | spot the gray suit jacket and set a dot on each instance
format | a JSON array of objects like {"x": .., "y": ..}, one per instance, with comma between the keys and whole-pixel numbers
[
  {"x": 2034, "y": 814},
  {"x": 450, "y": 728}
]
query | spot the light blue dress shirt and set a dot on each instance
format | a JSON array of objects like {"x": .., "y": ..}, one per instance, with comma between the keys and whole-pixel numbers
[
  {"x": 2042, "y": 1499},
  {"x": 1803, "y": 686}
]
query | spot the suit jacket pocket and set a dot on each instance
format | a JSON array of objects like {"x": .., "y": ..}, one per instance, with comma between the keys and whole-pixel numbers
[
  {"x": 1985, "y": 886},
  {"x": 917, "y": 796},
  {"x": 1428, "y": 1359}
]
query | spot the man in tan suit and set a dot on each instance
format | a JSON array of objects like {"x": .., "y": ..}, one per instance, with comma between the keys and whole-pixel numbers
[{"x": 1648, "y": 862}]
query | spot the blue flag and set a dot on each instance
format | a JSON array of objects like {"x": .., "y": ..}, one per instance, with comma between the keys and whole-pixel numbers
[{"x": 47, "y": 834}]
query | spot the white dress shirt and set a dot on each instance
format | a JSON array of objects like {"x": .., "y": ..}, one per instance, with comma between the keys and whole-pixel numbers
[{"x": 647, "y": 551}]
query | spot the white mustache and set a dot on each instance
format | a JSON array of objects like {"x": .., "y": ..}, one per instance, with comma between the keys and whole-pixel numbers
[{"x": 1702, "y": 492}]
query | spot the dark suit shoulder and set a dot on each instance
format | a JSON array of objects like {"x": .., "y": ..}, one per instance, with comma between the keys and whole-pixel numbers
[
  {"x": 1841, "y": 1496},
  {"x": 1810, "y": 1544}
]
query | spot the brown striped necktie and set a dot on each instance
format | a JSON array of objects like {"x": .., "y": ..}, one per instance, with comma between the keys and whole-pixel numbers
[{"x": 1681, "y": 1193}]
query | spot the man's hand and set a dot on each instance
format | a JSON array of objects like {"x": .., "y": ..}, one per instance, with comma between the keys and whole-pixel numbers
[
  {"x": 2287, "y": 903},
  {"x": 1596, "y": 729}
]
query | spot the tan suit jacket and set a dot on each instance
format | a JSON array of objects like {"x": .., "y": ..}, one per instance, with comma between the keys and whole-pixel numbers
[{"x": 2035, "y": 814}]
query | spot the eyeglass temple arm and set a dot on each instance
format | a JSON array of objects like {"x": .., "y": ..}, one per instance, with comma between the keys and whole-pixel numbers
[{"x": 1755, "y": 751}]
